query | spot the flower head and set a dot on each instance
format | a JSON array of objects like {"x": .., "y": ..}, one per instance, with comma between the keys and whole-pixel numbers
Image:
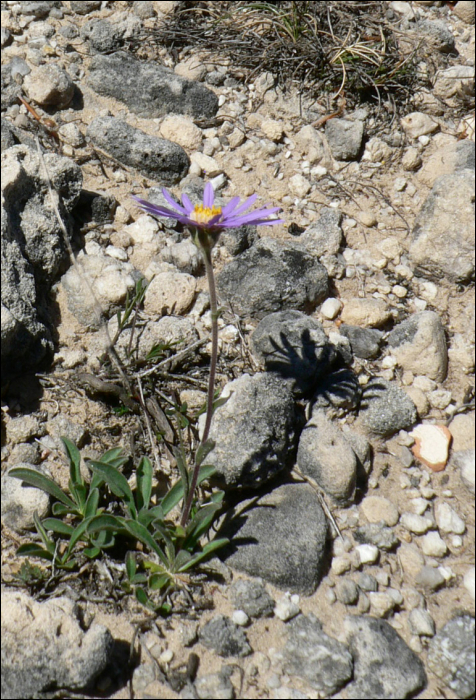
[{"x": 206, "y": 220}]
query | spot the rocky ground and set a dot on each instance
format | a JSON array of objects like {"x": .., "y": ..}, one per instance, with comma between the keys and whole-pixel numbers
[{"x": 346, "y": 446}]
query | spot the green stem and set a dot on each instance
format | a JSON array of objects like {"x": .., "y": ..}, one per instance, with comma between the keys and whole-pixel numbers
[{"x": 207, "y": 254}]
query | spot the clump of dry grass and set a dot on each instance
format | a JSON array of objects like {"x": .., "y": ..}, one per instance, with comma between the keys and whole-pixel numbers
[{"x": 331, "y": 49}]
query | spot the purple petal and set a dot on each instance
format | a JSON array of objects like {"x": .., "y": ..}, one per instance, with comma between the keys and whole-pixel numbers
[
  {"x": 208, "y": 195},
  {"x": 230, "y": 206},
  {"x": 214, "y": 219},
  {"x": 187, "y": 204},
  {"x": 172, "y": 201},
  {"x": 155, "y": 209},
  {"x": 259, "y": 214},
  {"x": 246, "y": 204}
]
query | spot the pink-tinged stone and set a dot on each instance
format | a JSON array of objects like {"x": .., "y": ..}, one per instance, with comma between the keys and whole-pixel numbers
[{"x": 432, "y": 443}]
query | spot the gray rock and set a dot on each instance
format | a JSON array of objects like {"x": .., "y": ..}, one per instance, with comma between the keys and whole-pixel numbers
[
  {"x": 325, "y": 455},
  {"x": 85, "y": 6},
  {"x": 324, "y": 236},
  {"x": 6, "y": 37},
  {"x": 365, "y": 342},
  {"x": 8, "y": 135},
  {"x": 367, "y": 582},
  {"x": 213, "y": 685},
  {"x": 109, "y": 282},
  {"x": 20, "y": 501},
  {"x": 320, "y": 660},
  {"x": 101, "y": 35},
  {"x": 385, "y": 408},
  {"x": 49, "y": 86},
  {"x": 340, "y": 389},
  {"x": 384, "y": 666},
  {"x": 44, "y": 646},
  {"x": 436, "y": 32},
  {"x": 254, "y": 431},
  {"x": 156, "y": 158},
  {"x": 33, "y": 252},
  {"x": 237, "y": 240},
  {"x": 149, "y": 89},
  {"x": 225, "y": 637},
  {"x": 451, "y": 655},
  {"x": 39, "y": 10},
  {"x": 280, "y": 537},
  {"x": 443, "y": 235},
  {"x": 251, "y": 597},
  {"x": 272, "y": 276},
  {"x": 464, "y": 460},
  {"x": 347, "y": 591},
  {"x": 294, "y": 346},
  {"x": 377, "y": 534},
  {"x": 419, "y": 345},
  {"x": 345, "y": 138},
  {"x": 185, "y": 256},
  {"x": 10, "y": 89},
  {"x": 429, "y": 579}
]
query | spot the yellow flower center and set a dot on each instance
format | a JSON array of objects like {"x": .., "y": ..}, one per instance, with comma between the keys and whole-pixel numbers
[{"x": 203, "y": 214}]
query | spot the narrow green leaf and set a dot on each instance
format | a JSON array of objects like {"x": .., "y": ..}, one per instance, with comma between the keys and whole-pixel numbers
[
  {"x": 206, "y": 471},
  {"x": 141, "y": 533},
  {"x": 91, "y": 552},
  {"x": 181, "y": 559},
  {"x": 172, "y": 498},
  {"x": 104, "y": 539},
  {"x": 200, "y": 524},
  {"x": 75, "y": 536},
  {"x": 61, "y": 510},
  {"x": 204, "y": 450},
  {"x": 111, "y": 523},
  {"x": 131, "y": 565},
  {"x": 92, "y": 503},
  {"x": 58, "y": 526},
  {"x": 182, "y": 466},
  {"x": 74, "y": 457},
  {"x": 78, "y": 491},
  {"x": 34, "y": 550},
  {"x": 40, "y": 481},
  {"x": 158, "y": 581},
  {"x": 117, "y": 482},
  {"x": 49, "y": 544},
  {"x": 209, "y": 548},
  {"x": 144, "y": 483},
  {"x": 115, "y": 457}
]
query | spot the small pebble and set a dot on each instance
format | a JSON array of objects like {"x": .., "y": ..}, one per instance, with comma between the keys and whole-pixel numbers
[
  {"x": 368, "y": 553},
  {"x": 330, "y": 308},
  {"x": 432, "y": 444},
  {"x": 286, "y": 609},
  {"x": 240, "y": 618},
  {"x": 432, "y": 545}
]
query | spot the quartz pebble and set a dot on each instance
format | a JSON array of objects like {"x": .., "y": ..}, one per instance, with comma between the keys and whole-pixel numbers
[
  {"x": 287, "y": 607},
  {"x": 330, "y": 308},
  {"x": 432, "y": 444},
  {"x": 432, "y": 545},
  {"x": 448, "y": 520}
]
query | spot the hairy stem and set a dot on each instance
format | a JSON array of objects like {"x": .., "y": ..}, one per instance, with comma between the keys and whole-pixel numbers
[{"x": 207, "y": 254}]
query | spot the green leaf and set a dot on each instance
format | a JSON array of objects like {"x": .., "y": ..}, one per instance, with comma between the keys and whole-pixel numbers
[
  {"x": 181, "y": 559},
  {"x": 204, "y": 450},
  {"x": 209, "y": 548},
  {"x": 76, "y": 535},
  {"x": 117, "y": 482},
  {"x": 115, "y": 457},
  {"x": 200, "y": 524},
  {"x": 34, "y": 550},
  {"x": 92, "y": 503},
  {"x": 91, "y": 552},
  {"x": 206, "y": 471},
  {"x": 110, "y": 523},
  {"x": 58, "y": 526},
  {"x": 61, "y": 510},
  {"x": 40, "y": 481},
  {"x": 74, "y": 457},
  {"x": 172, "y": 498},
  {"x": 131, "y": 565},
  {"x": 182, "y": 466},
  {"x": 78, "y": 491},
  {"x": 144, "y": 483},
  {"x": 49, "y": 544},
  {"x": 158, "y": 581},
  {"x": 104, "y": 539},
  {"x": 141, "y": 533}
]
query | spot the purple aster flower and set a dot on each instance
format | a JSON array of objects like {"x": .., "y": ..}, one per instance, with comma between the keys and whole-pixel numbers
[{"x": 205, "y": 218}]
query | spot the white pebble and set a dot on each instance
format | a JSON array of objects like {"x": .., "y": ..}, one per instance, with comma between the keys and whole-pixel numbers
[
  {"x": 285, "y": 609},
  {"x": 432, "y": 545},
  {"x": 368, "y": 553},
  {"x": 399, "y": 291},
  {"x": 240, "y": 618},
  {"x": 331, "y": 307},
  {"x": 166, "y": 656},
  {"x": 468, "y": 582},
  {"x": 448, "y": 520},
  {"x": 221, "y": 100}
]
